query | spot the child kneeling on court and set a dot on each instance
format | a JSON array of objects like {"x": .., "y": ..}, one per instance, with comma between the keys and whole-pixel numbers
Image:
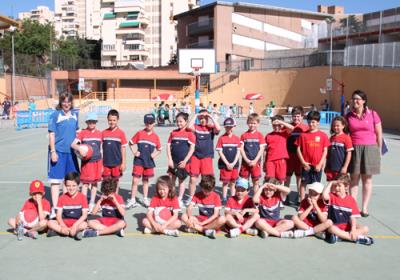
[
  {"x": 112, "y": 210},
  {"x": 240, "y": 213},
  {"x": 209, "y": 203},
  {"x": 312, "y": 217},
  {"x": 268, "y": 198},
  {"x": 72, "y": 210},
  {"x": 343, "y": 211},
  {"x": 32, "y": 218},
  {"x": 162, "y": 215}
]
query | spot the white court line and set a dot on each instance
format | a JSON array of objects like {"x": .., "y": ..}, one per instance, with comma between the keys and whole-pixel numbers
[{"x": 129, "y": 182}]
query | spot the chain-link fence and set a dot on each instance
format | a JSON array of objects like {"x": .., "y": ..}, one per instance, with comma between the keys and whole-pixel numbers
[
  {"x": 311, "y": 60},
  {"x": 373, "y": 55}
]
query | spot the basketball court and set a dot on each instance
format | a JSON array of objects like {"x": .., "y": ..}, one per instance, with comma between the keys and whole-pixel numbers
[{"x": 189, "y": 256}]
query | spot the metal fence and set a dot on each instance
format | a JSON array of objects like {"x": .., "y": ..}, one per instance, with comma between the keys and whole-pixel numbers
[
  {"x": 373, "y": 55},
  {"x": 311, "y": 60}
]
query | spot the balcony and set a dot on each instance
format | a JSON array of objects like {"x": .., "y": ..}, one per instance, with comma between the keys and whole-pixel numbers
[
  {"x": 201, "y": 45},
  {"x": 129, "y": 6},
  {"x": 201, "y": 27},
  {"x": 108, "y": 49}
]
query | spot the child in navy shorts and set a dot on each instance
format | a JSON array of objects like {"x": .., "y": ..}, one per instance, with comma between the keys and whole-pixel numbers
[
  {"x": 202, "y": 160},
  {"x": 148, "y": 148},
  {"x": 33, "y": 216},
  {"x": 72, "y": 210},
  {"x": 240, "y": 212},
  {"x": 312, "y": 148},
  {"x": 293, "y": 164},
  {"x": 228, "y": 147},
  {"x": 268, "y": 198},
  {"x": 209, "y": 203},
  {"x": 343, "y": 211},
  {"x": 114, "y": 147},
  {"x": 92, "y": 168},
  {"x": 112, "y": 211},
  {"x": 252, "y": 148},
  {"x": 180, "y": 148}
]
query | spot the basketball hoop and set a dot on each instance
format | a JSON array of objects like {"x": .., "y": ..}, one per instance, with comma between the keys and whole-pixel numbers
[
  {"x": 196, "y": 71},
  {"x": 322, "y": 90}
]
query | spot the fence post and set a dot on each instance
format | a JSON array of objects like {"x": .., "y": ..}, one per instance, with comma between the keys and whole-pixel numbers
[
  {"x": 383, "y": 54},
  {"x": 393, "y": 55},
  {"x": 373, "y": 54},
  {"x": 364, "y": 54}
]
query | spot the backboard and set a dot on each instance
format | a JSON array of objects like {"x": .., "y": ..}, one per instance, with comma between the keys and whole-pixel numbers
[{"x": 201, "y": 59}]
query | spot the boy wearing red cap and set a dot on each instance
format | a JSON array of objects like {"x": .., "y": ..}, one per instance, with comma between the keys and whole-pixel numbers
[{"x": 32, "y": 218}]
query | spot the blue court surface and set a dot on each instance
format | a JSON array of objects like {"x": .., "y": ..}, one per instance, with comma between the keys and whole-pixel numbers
[{"x": 190, "y": 256}]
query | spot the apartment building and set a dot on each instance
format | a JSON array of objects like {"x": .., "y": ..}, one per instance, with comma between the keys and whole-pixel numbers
[
  {"x": 140, "y": 33},
  {"x": 41, "y": 14},
  {"x": 243, "y": 30},
  {"x": 77, "y": 18}
]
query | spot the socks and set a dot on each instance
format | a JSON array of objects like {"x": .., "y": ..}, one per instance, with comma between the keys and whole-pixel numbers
[{"x": 309, "y": 231}]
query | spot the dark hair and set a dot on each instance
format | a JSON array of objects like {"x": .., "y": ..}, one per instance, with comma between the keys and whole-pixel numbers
[
  {"x": 62, "y": 97},
  {"x": 272, "y": 181},
  {"x": 314, "y": 116},
  {"x": 113, "y": 113},
  {"x": 344, "y": 123},
  {"x": 109, "y": 185},
  {"x": 298, "y": 110},
  {"x": 166, "y": 180},
  {"x": 73, "y": 176},
  {"x": 183, "y": 115},
  {"x": 277, "y": 117},
  {"x": 207, "y": 182},
  {"x": 363, "y": 96},
  {"x": 203, "y": 111}
]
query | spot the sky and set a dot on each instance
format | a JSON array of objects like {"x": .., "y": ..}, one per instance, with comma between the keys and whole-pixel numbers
[{"x": 13, "y": 7}]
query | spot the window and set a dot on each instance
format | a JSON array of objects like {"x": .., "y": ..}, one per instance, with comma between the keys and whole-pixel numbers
[{"x": 134, "y": 57}]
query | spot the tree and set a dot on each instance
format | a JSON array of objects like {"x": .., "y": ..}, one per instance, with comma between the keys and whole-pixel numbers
[
  {"x": 353, "y": 23},
  {"x": 173, "y": 60}
]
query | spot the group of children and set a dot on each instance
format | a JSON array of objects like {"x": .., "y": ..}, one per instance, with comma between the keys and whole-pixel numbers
[{"x": 290, "y": 148}]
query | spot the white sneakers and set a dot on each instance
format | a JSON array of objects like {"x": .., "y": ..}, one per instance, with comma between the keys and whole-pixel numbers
[
  {"x": 211, "y": 233},
  {"x": 235, "y": 232},
  {"x": 131, "y": 203}
]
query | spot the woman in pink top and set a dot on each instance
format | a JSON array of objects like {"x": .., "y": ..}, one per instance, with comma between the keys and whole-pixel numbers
[{"x": 366, "y": 134}]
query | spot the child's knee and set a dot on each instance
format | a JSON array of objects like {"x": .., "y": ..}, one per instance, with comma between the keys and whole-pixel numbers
[
  {"x": 43, "y": 223},
  {"x": 11, "y": 222},
  {"x": 329, "y": 223},
  {"x": 221, "y": 220}
]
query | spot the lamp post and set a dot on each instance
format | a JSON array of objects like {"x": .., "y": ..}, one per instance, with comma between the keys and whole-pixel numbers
[{"x": 12, "y": 29}]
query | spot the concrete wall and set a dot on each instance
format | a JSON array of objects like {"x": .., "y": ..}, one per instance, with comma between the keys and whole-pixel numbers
[
  {"x": 302, "y": 87},
  {"x": 27, "y": 86}
]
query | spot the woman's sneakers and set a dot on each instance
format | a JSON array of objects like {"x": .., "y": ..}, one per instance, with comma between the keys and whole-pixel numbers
[
  {"x": 131, "y": 203},
  {"x": 172, "y": 232},
  {"x": 211, "y": 233}
]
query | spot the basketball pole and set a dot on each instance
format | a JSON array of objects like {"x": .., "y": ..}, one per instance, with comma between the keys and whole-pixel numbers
[{"x": 197, "y": 93}]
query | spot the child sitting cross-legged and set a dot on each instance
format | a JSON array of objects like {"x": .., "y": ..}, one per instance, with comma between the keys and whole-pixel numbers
[
  {"x": 162, "y": 215},
  {"x": 312, "y": 218},
  {"x": 268, "y": 198},
  {"x": 112, "y": 209}
]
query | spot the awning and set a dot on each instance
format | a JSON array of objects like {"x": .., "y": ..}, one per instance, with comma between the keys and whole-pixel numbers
[
  {"x": 253, "y": 96},
  {"x": 109, "y": 16},
  {"x": 163, "y": 97},
  {"x": 129, "y": 24},
  {"x": 133, "y": 15}
]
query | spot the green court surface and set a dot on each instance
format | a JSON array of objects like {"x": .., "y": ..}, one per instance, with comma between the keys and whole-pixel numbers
[{"x": 138, "y": 256}]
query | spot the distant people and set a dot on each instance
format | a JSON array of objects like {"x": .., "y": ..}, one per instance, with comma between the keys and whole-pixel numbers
[
  {"x": 174, "y": 112},
  {"x": 215, "y": 112},
  {"x": 347, "y": 108},
  {"x": 210, "y": 107},
  {"x": 14, "y": 109},
  {"x": 166, "y": 117},
  {"x": 313, "y": 108},
  {"x": 222, "y": 110},
  {"x": 6, "y": 108},
  {"x": 229, "y": 113},
  {"x": 289, "y": 109},
  {"x": 234, "y": 110},
  {"x": 325, "y": 105},
  {"x": 155, "y": 110},
  {"x": 31, "y": 105},
  {"x": 365, "y": 128},
  {"x": 251, "y": 108}
]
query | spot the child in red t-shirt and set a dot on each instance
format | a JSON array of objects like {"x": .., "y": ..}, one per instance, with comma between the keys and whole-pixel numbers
[
  {"x": 209, "y": 204},
  {"x": 275, "y": 154},
  {"x": 148, "y": 148},
  {"x": 312, "y": 148},
  {"x": 162, "y": 215},
  {"x": 33, "y": 216},
  {"x": 343, "y": 211},
  {"x": 91, "y": 169},
  {"x": 113, "y": 211},
  {"x": 268, "y": 199},
  {"x": 339, "y": 152},
  {"x": 72, "y": 210},
  {"x": 240, "y": 212},
  {"x": 312, "y": 217}
]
